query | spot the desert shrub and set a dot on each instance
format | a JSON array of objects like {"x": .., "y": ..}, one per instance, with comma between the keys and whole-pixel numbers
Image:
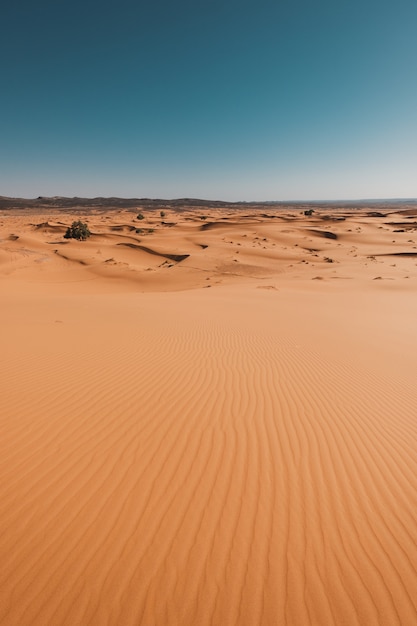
[
  {"x": 162, "y": 213},
  {"x": 77, "y": 230},
  {"x": 309, "y": 212},
  {"x": 144, "y": 231},
  {"x": 140, "y": 216}
]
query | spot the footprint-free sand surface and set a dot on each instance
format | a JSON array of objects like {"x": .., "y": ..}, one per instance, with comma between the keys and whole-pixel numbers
[{"x": 208, "y": 419}]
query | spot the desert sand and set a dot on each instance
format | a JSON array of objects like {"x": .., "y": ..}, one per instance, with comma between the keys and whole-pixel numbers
[{"x": 210, "y": 422}]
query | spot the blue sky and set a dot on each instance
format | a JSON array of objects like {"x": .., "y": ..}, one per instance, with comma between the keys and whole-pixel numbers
[{"x": 235, "y": 100}]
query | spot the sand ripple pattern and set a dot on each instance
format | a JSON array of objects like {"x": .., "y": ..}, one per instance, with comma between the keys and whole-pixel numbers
[{"x": 194, "y": 469}]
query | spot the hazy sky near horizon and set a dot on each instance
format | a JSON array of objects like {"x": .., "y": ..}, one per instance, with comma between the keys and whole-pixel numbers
[{"x": 228, "y": 99}]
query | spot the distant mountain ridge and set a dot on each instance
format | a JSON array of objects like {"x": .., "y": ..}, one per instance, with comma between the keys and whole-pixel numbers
[{"x": 63, "y": 202}]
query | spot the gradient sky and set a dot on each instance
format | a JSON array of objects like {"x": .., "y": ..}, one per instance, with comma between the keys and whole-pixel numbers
[{"x": 226, "y": 99}]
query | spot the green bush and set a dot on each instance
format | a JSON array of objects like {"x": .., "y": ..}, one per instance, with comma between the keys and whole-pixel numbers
[
  {"x": 77, "y": 230},
  {"x": 140, "y": 216},
  {"x": 162, "y": 213}
]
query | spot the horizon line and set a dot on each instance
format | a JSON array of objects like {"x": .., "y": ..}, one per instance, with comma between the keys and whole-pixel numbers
[{"x": 201, "y": 199}]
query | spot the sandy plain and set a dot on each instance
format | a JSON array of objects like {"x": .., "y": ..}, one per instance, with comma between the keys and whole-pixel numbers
[{"x": 211, "y": 421}]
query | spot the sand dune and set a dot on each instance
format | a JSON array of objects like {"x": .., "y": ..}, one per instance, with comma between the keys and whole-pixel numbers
[{"x": 176, "y": 455}]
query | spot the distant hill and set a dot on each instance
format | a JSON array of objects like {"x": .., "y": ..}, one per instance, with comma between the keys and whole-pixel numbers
[
  {"x": 61, "y": 202},
  {"x": 76, "y": 203}
]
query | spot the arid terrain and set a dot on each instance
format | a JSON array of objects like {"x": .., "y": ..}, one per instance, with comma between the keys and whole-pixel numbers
[{"x": 208, "y": 416}]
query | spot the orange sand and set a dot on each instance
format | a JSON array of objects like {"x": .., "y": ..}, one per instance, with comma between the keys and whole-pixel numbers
[{"x": 240, "y": 455}]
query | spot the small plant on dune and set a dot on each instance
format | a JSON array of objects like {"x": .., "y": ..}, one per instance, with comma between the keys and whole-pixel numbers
[
  {"x": 140, "y": 216},
  {"x": 144, "y": 231},
  {"x": 309, "y": 212},
  {"x": 162, "y": 213},
  {"x": 78, "y": 230}
]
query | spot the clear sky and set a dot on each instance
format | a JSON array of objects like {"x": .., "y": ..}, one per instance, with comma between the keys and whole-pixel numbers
[{"x": 226, "y": 99}]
